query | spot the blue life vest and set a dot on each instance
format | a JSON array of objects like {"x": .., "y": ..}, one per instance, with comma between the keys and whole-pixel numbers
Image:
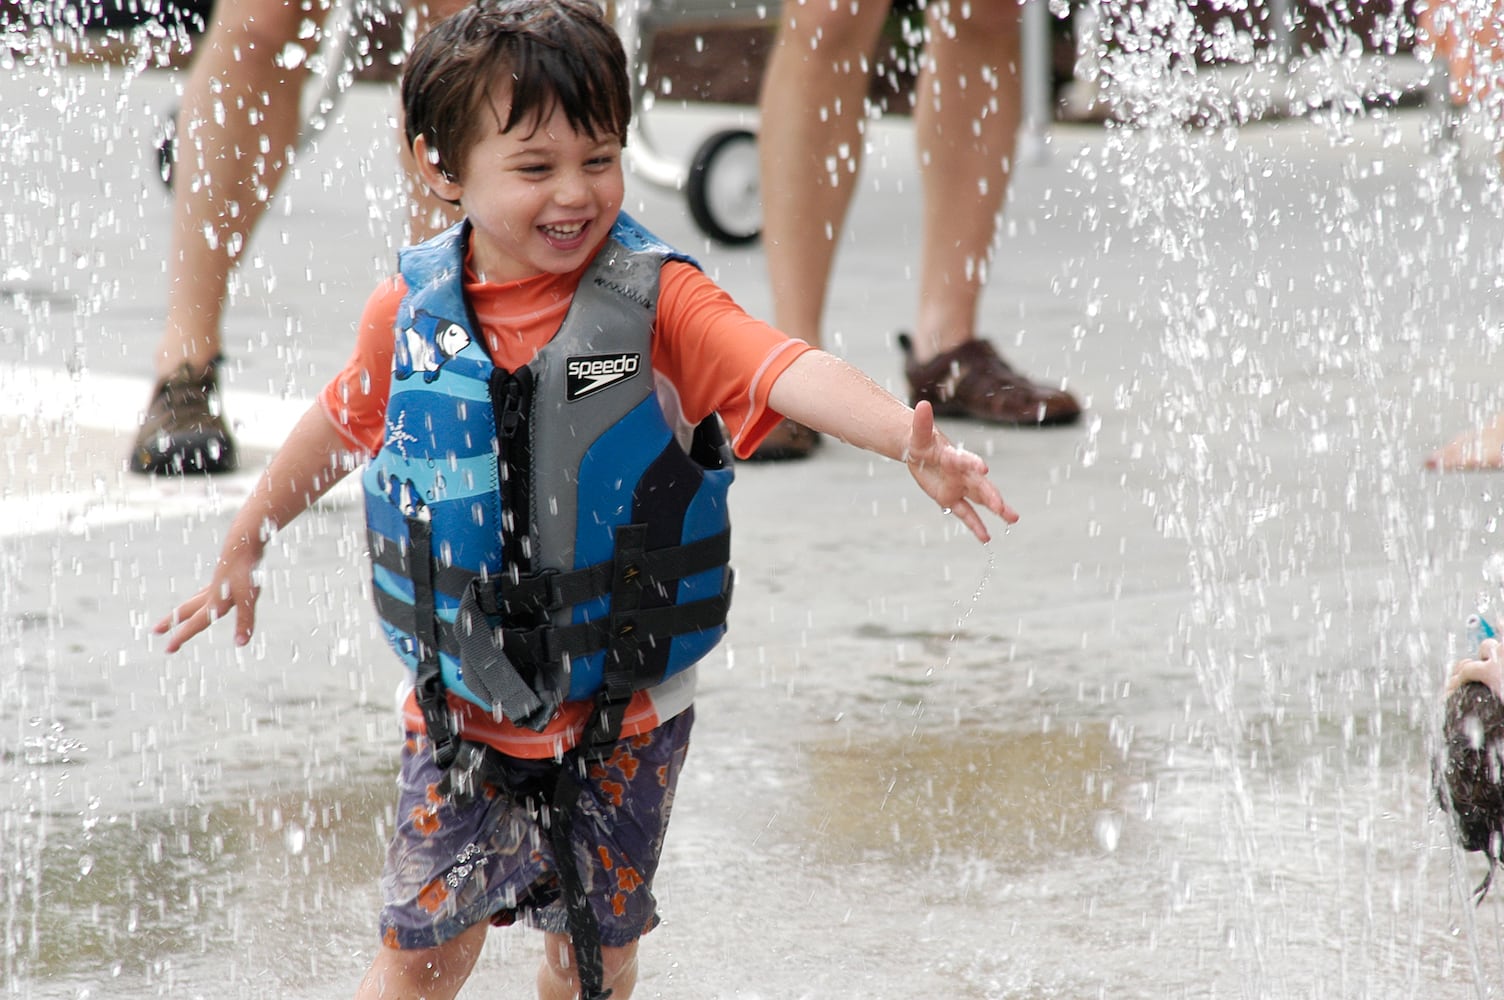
[{"x": 540, "y": 535}]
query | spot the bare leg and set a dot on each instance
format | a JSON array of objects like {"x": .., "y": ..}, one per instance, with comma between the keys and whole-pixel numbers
[
  {"x": 556, "y": 980},
  {"x": 966, "y": 123},
  {"x": 237, "y": 123},
  {"x": 814, "y": 112},
  {"x": 1466, "y": 34},
  {"x": 1475, "y": 451},
  {"x": 429, "y": 974},
  {"x": 236, "y": 128}
]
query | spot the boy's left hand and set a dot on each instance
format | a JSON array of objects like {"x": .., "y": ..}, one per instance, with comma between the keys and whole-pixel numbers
[{"x": 954, "y": 478}]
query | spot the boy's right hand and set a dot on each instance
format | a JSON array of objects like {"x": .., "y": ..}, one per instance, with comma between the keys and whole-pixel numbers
[
  {"x": 233, "y": 587},
  {"x": 1486, "y": 669},
  {"x": 953, "y": 477}
]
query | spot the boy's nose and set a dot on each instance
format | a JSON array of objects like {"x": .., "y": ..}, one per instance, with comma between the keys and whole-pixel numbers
[{"x": 573, "y": 188}]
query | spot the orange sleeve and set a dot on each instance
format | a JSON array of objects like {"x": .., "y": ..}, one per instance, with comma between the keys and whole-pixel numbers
[
  {"x": 719, "y": 359},
  {"x": 355, "y": 399}
]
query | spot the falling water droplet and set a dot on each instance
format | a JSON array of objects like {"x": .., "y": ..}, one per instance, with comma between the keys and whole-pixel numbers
[{"x": 1108, "y": 829}]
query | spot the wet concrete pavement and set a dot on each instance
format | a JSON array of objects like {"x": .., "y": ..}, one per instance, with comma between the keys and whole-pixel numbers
[{"x": 1167, "y": 737}]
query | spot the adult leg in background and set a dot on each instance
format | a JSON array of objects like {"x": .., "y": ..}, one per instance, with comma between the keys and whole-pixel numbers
[
  {"x": 237, "y": 127},
  {"x": 813, "y": 114},
  {"x": 1468, "y": 41},
  {"x": 966, "y": 121}
]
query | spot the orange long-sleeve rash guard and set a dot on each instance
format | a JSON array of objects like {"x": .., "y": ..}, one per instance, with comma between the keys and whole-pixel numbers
[{"x": 716, "y": 358}]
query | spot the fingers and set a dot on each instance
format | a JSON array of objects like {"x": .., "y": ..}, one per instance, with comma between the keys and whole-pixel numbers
[
  {"x": 202, "y": 610},
  {"x": 988, "y": 496},
  {"x": 182, "y": 612},
  {"x": 191, "y": 618},
  {"x": 968, "y": 516},
  {"x": 245, "y": 619},
  {"x": 953, "y": 477},
  {"x": 188, "y": 628}
]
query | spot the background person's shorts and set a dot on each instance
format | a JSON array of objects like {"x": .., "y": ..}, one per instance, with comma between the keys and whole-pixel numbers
[{"x": 448, "y": 870}]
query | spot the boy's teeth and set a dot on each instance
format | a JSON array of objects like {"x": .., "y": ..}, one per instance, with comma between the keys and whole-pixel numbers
[{"x": 564, "y": 231}]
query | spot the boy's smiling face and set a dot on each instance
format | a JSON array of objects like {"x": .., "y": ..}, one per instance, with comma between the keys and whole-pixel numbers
[{"x": 540, "y": 198}]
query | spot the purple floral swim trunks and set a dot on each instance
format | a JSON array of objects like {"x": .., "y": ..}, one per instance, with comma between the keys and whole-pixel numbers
[{"x": 448, "y": 869}]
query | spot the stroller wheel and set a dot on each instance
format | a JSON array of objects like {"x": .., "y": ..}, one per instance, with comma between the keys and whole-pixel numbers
[{"x": 725, "y": 199}]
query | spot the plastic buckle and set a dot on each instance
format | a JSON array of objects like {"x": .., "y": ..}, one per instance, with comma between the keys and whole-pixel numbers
[
  {"x": 435, "y": 708},
  {"x": 605, "y": 723}
]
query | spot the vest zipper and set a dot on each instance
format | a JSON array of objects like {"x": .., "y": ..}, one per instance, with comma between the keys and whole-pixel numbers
[{"x": 510, "y": 399}]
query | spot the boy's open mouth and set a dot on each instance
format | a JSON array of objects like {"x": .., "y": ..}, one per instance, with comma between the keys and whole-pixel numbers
[{"x": 564, "y": 232}]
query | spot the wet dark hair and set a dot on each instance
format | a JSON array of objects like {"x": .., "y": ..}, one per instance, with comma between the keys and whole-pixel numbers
[
  {"x": 552, "y": 53},
  {"x": 1471, "y": 785}
]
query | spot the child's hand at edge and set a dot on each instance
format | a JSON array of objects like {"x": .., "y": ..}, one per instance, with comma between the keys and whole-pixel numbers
[
  {"x": 307, "y": 465},
  {"x": 1486, "y": 669},
  {"x": 232, "y": 587},
  {"x": 953, "y": 477}
]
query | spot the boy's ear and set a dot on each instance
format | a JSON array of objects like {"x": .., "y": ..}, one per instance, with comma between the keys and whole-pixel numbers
[{"x": 439, "y": 181}]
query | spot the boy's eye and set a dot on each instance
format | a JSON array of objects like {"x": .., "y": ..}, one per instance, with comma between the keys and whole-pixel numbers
[{"x": 604, "y": 160}]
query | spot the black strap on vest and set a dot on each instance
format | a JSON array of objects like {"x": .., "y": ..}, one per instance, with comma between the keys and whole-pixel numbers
[
  {"x": 478, "y": 765},
  {"x": 489, "y": 658},
  {"x": 551, "y": 589},
  {"x": 504, "y": 664},
  {"x": 584, "y": 929},
  {"x": 429, "y": 683},
  {"x": 490, "y": 673},
  {"x": 547, "y": 644},
  {"x": 623, "y": 660},
  {"x": 396, "y": 558}
]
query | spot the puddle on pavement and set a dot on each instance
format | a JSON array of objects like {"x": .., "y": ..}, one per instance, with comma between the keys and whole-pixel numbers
[
  {"x": 1013, "y": 799},
  {"x": 128, "y": 896}
]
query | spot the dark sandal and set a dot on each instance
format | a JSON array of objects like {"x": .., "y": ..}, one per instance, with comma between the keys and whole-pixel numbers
[
  {"x": 788, "y": 442},
  {"x": 184, "y": 430},
  {"x": 974, "y": 381}
]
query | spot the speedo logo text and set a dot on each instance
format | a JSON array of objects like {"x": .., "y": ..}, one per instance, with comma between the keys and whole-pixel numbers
[{"x": 595, "y": 372}]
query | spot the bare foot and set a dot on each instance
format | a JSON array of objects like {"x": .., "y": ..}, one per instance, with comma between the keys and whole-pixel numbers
[{"x": 1474, "y": 451}]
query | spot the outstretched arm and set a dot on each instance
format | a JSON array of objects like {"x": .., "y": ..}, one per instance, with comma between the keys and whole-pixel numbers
[
  {"x": 821, "y": 391},
  {"x": 304, "y": 469}
]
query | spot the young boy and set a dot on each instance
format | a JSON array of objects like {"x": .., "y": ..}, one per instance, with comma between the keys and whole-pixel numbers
[
  {"x": 1471, "y": 785},
  {"x": 546, "y": 503}
]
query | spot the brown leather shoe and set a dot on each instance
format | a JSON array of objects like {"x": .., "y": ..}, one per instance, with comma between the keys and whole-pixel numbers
[
  {"x": 787, "y": 442},
  {"x": 974, "y": 381},
  {"x": 184, "y": 430}
]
